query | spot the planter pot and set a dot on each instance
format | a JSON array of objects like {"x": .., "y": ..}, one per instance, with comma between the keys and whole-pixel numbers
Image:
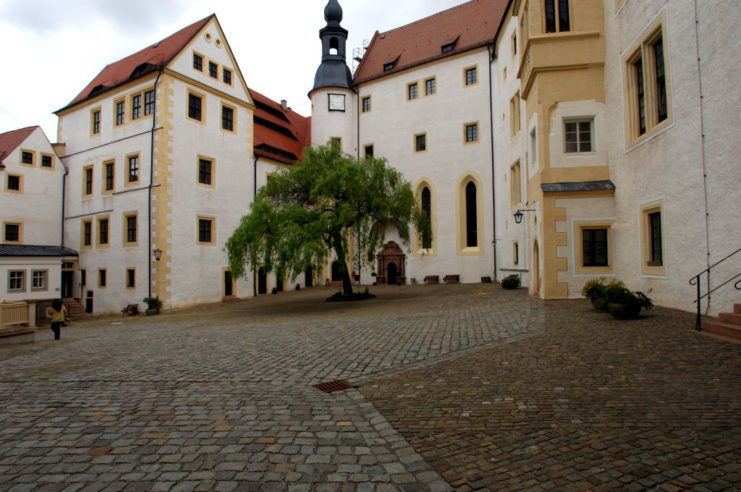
[
  {"x": 624, "y": 311},
  {"x": 600, "y": 304},
  {"x": 152, "y": 311}
]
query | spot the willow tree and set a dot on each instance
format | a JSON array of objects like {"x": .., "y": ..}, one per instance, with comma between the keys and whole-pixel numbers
[{"x": 309, "y": 211}]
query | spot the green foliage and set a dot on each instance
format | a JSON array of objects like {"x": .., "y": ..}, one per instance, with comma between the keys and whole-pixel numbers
[
  {"x": 319, "y": 206},
  {"x": 153, "y": 302},
  {"x": 594, "y": 288},
  {"x": 511, "y": 282},
  {"x": 619, "y": 294}
]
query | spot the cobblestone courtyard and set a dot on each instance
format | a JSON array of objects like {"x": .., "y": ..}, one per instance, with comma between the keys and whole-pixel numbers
[{"x": 462, "y": 386}]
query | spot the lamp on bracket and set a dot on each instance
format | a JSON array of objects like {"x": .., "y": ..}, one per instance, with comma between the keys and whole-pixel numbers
[
  {"x": 519, "y": 214},
  {"x": 157, "y": 254}
]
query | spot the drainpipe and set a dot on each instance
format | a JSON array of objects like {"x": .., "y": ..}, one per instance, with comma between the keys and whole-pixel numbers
[
  {"x": 702, "y": 146},
  {"x": 151, "y": 183},
  {"x": 490, "y": 50},
  {"x": 64, "y": 195}
]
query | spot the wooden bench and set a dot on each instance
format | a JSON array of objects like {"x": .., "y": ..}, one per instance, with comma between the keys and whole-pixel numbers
[
  {"x": 130, "y": 310},
  {"x": 452, "y": 279},
  {"x": 432, "y": 279}
]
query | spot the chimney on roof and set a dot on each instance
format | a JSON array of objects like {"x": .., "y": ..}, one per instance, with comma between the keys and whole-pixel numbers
[{"x": 284, "y": 104}]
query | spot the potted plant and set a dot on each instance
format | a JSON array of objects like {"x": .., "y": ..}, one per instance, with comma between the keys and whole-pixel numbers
[
  {"x": 511, "y": 282},
  {"x": 625, "y": 304},
  {"x": 594, "y": 290},
  {"x": 153, "y": 305}
]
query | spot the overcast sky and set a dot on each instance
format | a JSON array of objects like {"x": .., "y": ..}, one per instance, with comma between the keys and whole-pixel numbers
[{"x": 51, "y": 49}]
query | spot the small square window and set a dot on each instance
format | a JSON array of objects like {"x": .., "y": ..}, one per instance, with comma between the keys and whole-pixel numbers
[
  {"x": 213, "y": 70},
  {"x": 227, "y": 118},
  {"x": 198, "y": 62},
  {"x": 412, "y": 91},
  {"x": 27, "y": 157},
  {"x": 120, "y": 112},
  {"x": 148, "y": 103},
  {"x": 578, "y": 136},
  {"x": 205, "y": 169},
  {"x": 38, "y": 280},
  {"x": 16, "y": 281},
  {"x": 194, "y": 107},
  {"x": 366, "y": 104},
  {"x": 12, "y": 233},
  {"x": 368, "y": 151},
  {"x": 430, "y": 87},
  {"x": 472, "y": 76},
  {"x": 205, "y": 230},
  {"x": 226, "y": 75},
  {"x": 46, "y": 161},
  {"x": 14, "y": 182},
  {"x": 420, "y": 142}
]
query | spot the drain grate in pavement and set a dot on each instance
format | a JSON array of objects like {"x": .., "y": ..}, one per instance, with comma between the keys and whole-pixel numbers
[{"x": 332, "y": 386}]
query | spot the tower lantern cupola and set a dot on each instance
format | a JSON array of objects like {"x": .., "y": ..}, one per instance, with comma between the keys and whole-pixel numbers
[{"x": 333, "y": 71}]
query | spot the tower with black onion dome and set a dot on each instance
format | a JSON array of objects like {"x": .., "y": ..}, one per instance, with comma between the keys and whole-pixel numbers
[{"x": 333, "y": 101}]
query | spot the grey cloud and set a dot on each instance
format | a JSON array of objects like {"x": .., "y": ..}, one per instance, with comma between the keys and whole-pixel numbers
[{"x": 45, "y": 17}]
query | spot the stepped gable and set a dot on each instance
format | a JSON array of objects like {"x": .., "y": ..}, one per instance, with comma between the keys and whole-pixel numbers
[
  {"x": 468, "y": 26},
  {"x": 148, "y": 60},
  {"x": 280, "y": 134},
  {"x": 9, "y": 141}
]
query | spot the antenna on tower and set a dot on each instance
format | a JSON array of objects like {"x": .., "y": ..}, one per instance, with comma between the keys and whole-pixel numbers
[{"x": 358, "y": 54}]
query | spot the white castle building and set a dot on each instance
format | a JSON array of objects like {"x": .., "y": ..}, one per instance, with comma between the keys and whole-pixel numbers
[{"x": 555, "y": 140}]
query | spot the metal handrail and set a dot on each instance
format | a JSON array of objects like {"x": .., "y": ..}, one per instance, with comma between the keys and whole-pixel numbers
[{"x": 696, "y": 281}]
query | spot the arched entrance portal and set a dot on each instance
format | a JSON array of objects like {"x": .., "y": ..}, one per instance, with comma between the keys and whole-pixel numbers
[
  {"x": 391, "y": 273},
  {"x": 391, "y": 261}
]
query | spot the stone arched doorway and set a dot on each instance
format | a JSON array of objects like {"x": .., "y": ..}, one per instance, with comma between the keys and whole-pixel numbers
[{"x": 391, "y": 264}]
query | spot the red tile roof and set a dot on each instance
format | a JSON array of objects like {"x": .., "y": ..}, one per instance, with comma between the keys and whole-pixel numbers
[
  {"x": 280, "y": 135},
  {"x": 10, "y": 141},
  {"x": 141, "y": 63},
  {"x": 467, "y": 26}
]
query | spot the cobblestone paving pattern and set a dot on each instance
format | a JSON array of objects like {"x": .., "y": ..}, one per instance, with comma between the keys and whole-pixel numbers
[
  {"x": 588, "y": 404},
  {"x": 219, "y": 397}
]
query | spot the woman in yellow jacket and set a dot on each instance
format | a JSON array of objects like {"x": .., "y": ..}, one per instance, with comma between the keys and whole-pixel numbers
[{"x": 58, "y": 314}]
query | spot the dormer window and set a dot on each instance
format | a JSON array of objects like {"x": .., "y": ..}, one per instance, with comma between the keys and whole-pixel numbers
[
  {"x": 447, "y": 48},
  {"x": 389, "y": 66}
]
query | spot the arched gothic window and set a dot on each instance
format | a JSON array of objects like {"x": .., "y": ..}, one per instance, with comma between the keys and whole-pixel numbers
[
  {"x": 471, "y": 219},
  {"x": 427, "y": 208}
]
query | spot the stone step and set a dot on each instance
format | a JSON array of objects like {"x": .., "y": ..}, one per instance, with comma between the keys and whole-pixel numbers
[
  {"x": 75, "y": 309},
  {"x": 723, "y": 329},
  {"x": 730, "y": 318}
]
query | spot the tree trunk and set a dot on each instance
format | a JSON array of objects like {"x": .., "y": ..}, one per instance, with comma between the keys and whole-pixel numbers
[{"x": 346, "y": 281}]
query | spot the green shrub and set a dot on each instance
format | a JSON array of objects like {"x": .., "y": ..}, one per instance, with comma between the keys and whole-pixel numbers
[
  {"x": 511, "y": 282},
  {"x": 618, "y": 293},
  {"x": 153, "y": 302},
  {"x": 594, "y": 289}
]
